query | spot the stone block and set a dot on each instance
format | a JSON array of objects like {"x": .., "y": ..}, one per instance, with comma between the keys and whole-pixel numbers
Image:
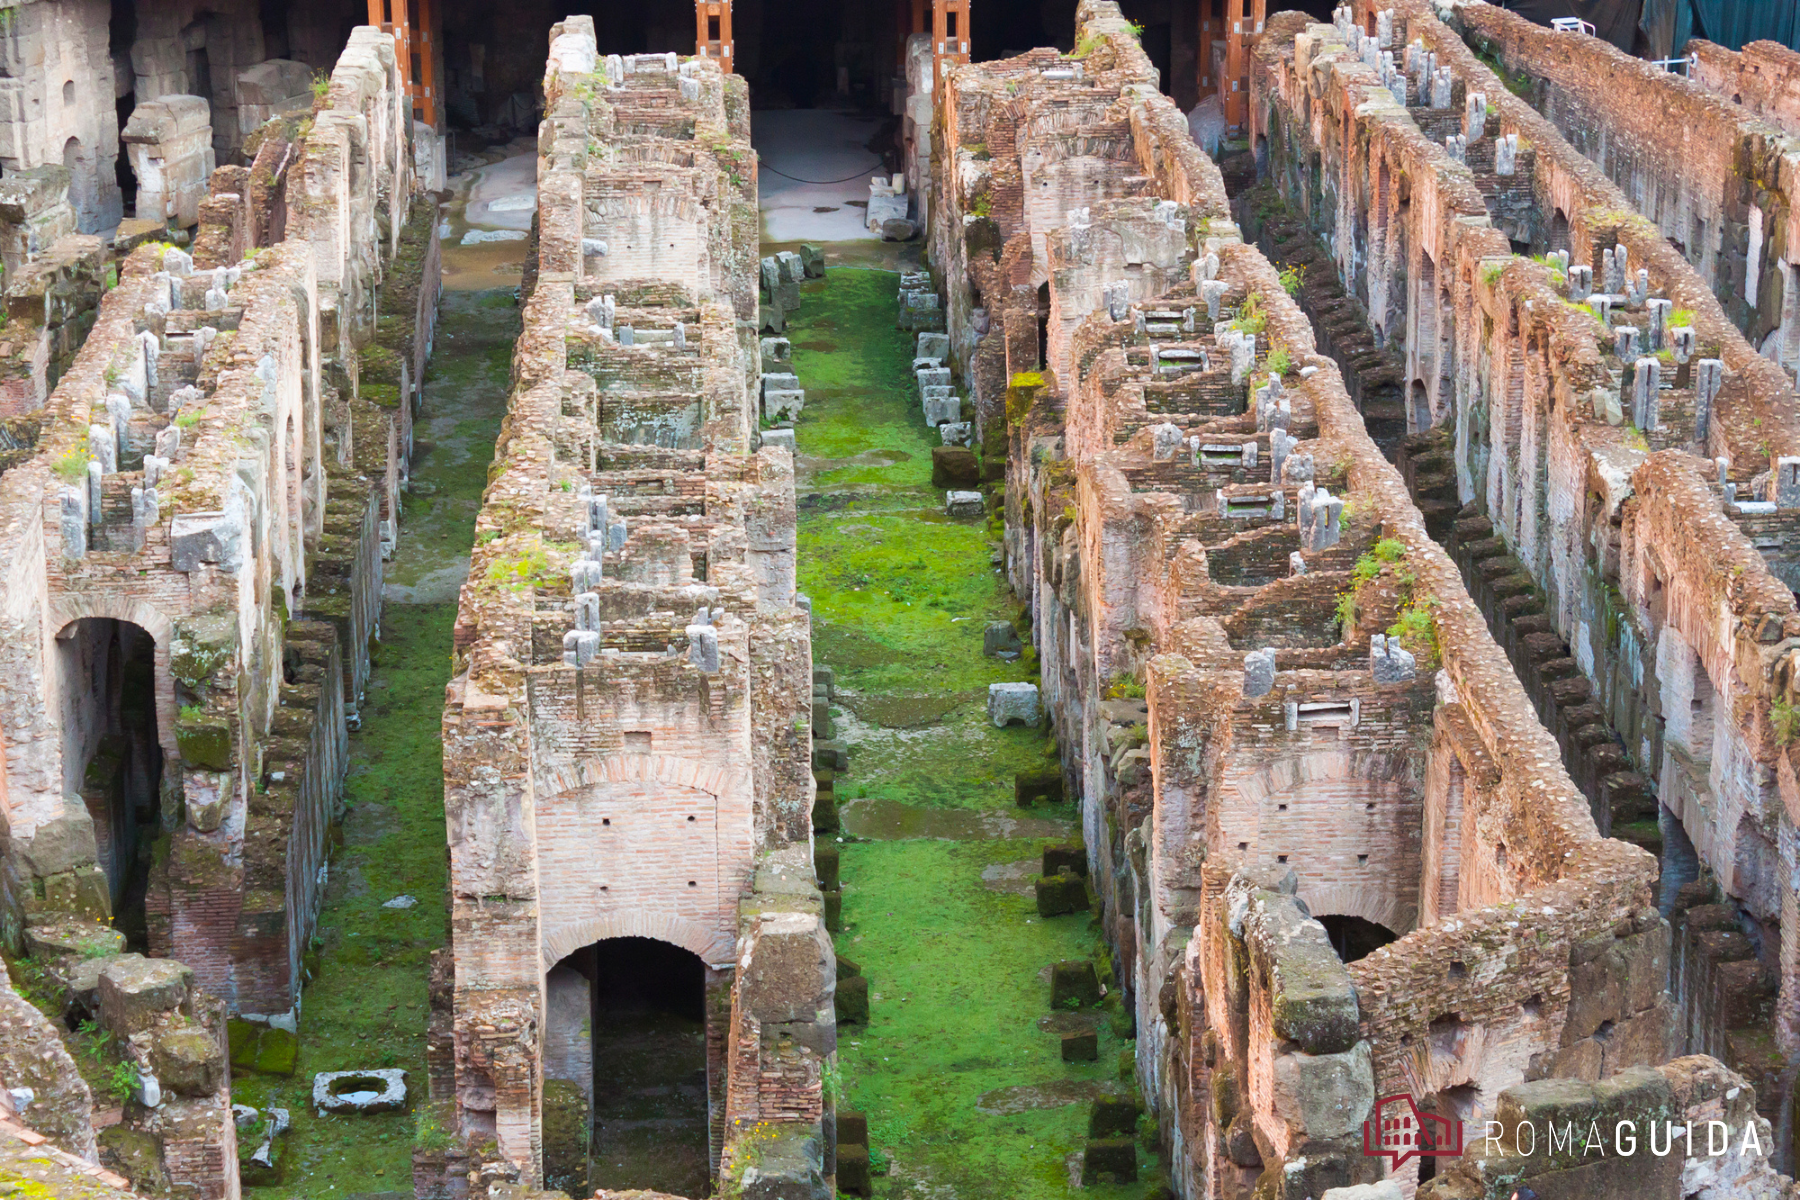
[
  {"x": 852, "y": 1001},
  {"x": 60, "y": 844},
  {"x": 1112, "y": 1116},
  {"x": 134, "y": 992},
  {"x": 187, "y": 1061},
  {"x": 1114, "y": 1159},
  {"x": 852, "y": 1128},
  {"x": 1009, "y": 702},
  {"x": 825, "y": 812},
  {"x": 783, "y": 404},
  {"x": 834, "y": 911},
  {"x": 263, "y": 1049},
  {"x": 825, "y": 865},
  {"x": 1074, "y": 984},
  {"x": 954, "y": 467},
  {"x": 1081, "y": 1047},
  {"x": 933, "y": 345},
  {"x": 964, "y": 504},
  {"x": 1001, "y": 640},
  {"x": 830, "y": 756},
  {"x": 812, "y": 260},
  {"x": 1071, "y": 859},
  {"x": 853, "y": 1169},
  {"x": 777, "y": 356},
  {"x": 1031, "y": 787},
  {"x": 1061, "y": 894},
  {"x": 349, "y": 1092},
  {"x": 1324, "y": 1096}
]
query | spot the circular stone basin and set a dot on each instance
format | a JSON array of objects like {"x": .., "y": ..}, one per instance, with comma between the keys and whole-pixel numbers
[{"x": 360, "y": 1091}]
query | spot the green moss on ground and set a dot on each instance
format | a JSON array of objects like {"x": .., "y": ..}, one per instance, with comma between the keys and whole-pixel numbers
[
  {"x": 958, "y": 966},
  {"x": 367, "y": 1008}
]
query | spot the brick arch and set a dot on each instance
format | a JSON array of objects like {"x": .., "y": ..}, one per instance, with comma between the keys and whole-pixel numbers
[
  {"x": 672, "y": 769},
  {"x": 710, "y": 946},
  {"x": 69, "y": 607},
  {"x": 66, "y": 608},
  {"x": 1393, "y": 912}
]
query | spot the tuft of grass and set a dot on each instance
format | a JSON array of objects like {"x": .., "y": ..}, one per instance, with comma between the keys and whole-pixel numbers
[
  {"x": 1290, "y": 279},
  {"x": 1784, "y": 719},
  {"x": 1416, "y": 630},
  {"x": 1280, "y": 361},
  {"x": 1680, "y": 317}
]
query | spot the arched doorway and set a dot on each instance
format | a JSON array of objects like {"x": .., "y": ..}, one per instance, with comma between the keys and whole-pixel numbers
[
  {"x": 626, "y": 1069},
  {"x": 112, "y": 755}
]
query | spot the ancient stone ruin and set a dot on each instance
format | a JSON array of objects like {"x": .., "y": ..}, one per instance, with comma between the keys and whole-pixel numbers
[{"x": 1221, "y": 624}]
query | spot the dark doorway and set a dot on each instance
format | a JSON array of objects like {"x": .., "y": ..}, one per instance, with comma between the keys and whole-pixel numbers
[
  {"x": 1353, "y": 937},
  {"x": 111, "y": 756},
  {"x": 648, "y": 1126}
]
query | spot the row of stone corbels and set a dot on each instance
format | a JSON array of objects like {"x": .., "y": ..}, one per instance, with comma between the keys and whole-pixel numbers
[
  {"x": 1601, "y": 215},
  {"x": 1475, "y": 667}
]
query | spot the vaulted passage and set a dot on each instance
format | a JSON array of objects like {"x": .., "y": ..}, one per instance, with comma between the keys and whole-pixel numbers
[
  {"x": 625, "y": 1059},
  {"x": 111, "y": 756}
]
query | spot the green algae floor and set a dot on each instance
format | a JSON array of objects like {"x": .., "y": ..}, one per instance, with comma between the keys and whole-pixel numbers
[
  {"x": 959, "y": 1069},
  {"x": 367, "y": 1007}
]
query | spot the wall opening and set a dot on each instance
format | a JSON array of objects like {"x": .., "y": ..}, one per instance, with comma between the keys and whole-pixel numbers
[
  {"x": 1355, "y": 937},
  {"x": 625, "y": 1061},
  {"x": 112, "y": 758}
]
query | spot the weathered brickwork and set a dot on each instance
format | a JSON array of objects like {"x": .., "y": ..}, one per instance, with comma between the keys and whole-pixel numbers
[
  {"x": 192, "y": 520},
  {"x": 1642, "y": 591},
  {"x": 626, "y": 744},
  {"x": 1197, "y": 514}
]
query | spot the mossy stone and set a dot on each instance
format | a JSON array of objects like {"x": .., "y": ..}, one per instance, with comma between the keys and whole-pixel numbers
[
  {"x": 205, "y": 744},
  {"x": 1033, "y": 787},
  {"x": 825, "y": 812},
  {"x": 565, "y": 1137},
  {"x": 1072, "y": 859},
  {"x": 1060, "y": 894},
  {"x": 1111, "y": 1158},
  {"x": 853, "y": 1001},
  {"x": 263, "y": 1049},
  {"x": 135, "y": 1155},
  {"x": 847, "y": 969},
  {"x": 954, "y": 467},
  {"x": 1081, "y": 1047},
  {"x": 853, "y": 1170},
  {"x": 834, "y": 911},
  {"x": 1074, "y": 984},
  {"x": 1112, "y": 1116},
  {"x": 825, "y": 865}
]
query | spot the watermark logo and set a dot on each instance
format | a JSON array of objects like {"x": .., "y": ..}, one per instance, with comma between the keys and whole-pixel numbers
[{"x": 1398, "y": 1130}]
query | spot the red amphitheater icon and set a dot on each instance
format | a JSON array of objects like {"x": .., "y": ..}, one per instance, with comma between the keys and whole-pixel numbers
[{"x": 1398, "y": 1130}]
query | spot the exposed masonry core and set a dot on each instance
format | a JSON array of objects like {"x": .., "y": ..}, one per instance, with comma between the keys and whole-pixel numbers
[
  {"x": 192, "y": 570},
  {"x": 626, "y": 748},
  {"x": 1405, "y": 507}
]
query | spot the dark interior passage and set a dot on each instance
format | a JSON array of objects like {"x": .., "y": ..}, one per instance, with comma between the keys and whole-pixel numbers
[
  {"x": 1354, "y": 937},
  {"x": 649, "y": 1128},
  {"x": 111, "y": 756}
]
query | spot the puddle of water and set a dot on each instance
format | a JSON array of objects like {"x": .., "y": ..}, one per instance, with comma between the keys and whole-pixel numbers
[
  {"x": 1054, "y": 1094},
  {"x": 890, "y": 820}
]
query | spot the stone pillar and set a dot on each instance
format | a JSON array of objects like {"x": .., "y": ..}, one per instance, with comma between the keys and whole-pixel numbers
[{"x": 170, "y": 143}]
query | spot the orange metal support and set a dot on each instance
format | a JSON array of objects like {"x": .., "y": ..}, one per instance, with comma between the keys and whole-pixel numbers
[
  {"x": 949, "y": 36},
  {"x": 425, "y": 98},
  {"x": 412, "y": 55},
  {"x": 713, "y": 33}
]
